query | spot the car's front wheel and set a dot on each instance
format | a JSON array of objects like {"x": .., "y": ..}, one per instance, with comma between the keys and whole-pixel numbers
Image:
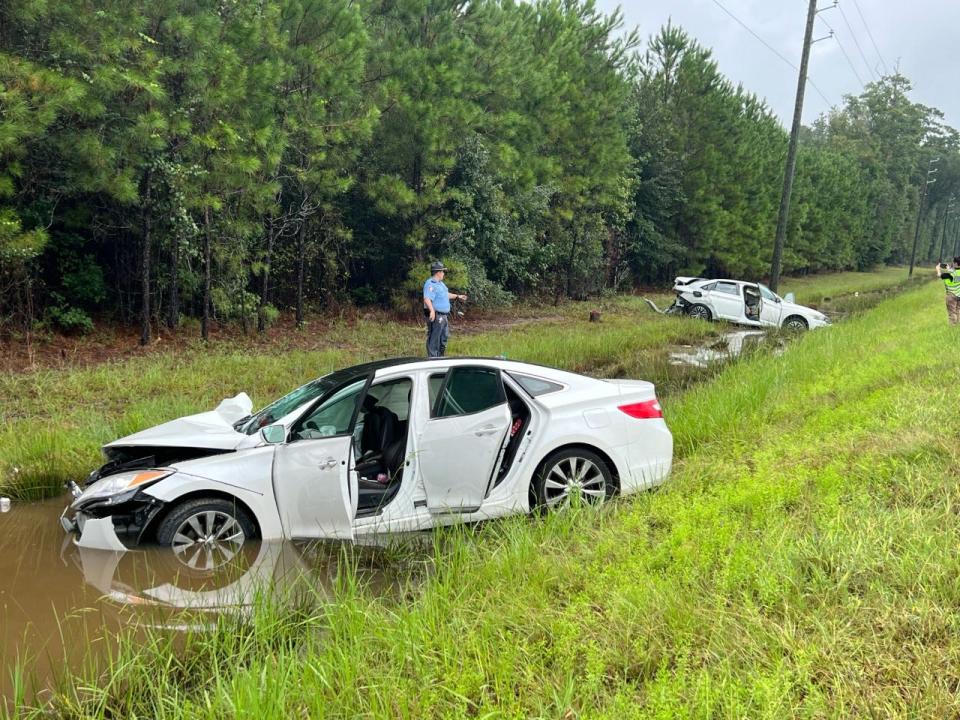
[
  {"x": 795, "y": 323},
  {"x": 205, "y": 533},
  {"x": 571, "y": 473},
  {"x": 700, "y": 312}
]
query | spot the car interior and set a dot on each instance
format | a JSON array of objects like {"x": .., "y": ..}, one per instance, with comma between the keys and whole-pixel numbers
[
  {"x": 519, "y": 423},
  {"x": 380, "y": 443},
  {"x": 751, "y": 302}
]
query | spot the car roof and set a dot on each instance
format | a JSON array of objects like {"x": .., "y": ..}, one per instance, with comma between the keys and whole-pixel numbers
[{"x": 388, "y": 365}]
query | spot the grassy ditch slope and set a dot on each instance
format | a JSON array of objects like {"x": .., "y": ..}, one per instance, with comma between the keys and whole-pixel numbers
[{"x": 802, "y": 561}]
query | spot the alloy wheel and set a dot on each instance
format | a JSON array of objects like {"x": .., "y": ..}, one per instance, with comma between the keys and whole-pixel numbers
[
  {"x": 571, "y": 476},
  {"x": 207, "y": 540}
]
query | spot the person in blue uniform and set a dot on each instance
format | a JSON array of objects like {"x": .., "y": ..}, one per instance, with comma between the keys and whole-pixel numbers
[{"x": 436, "y": 306}]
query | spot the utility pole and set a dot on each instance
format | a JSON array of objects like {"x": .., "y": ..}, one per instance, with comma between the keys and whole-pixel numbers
[
  {"x": 792, "y": 151},
  {"x": 943, "y": 231},
  {"x": 956, "y": 237},
  {"x": 923, "y": 197}
]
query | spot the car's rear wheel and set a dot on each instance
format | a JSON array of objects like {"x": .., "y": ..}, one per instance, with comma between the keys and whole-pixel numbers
[
  {"x": 700, "y": 312},
  {"x": 795, "y": 323},
  {"x": 570, "y": 473},
  {"x": 206, "y": 533}
]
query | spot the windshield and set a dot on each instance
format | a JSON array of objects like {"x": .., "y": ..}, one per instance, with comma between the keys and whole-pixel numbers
[
  {"x": 284, "y": 406},
  {"x": 767, "y": 293}
]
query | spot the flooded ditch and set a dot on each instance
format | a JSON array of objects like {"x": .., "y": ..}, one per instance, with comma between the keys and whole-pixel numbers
[{"x": 61, "y": 606}]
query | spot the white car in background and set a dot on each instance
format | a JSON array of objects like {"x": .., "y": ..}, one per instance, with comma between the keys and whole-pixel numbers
[
  {"x": 388, "y": 446},
  {"x": 745, "y": 303}
]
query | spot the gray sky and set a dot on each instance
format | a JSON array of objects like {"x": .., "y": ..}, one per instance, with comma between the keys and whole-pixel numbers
[{"x": 917, "y": 33}]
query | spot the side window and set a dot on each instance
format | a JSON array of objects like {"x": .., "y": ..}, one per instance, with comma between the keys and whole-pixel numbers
[
  {"x": 332, "y": 416},
  {"x": 394, "y": 395},
  {"x": 767, "y": 293},
  {"x": 534, "y": 385},
  {"x": 727, "y": 288},
  {"x": 470, "y": 390},
  {"x": 433, "y": 386},
  {"x": 709, "y": 286}
]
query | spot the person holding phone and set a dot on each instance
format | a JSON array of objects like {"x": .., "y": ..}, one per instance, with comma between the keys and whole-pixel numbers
[{"x": 950, "y": 274}]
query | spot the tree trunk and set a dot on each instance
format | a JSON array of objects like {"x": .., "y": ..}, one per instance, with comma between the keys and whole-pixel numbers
[
  {"x": 265, "y": 288},
  {"x": 301, "y": 252},
  {"x": 205, "y": 322},
  {"x": 145, "y": 264},
  {"x": 573, "y": 255},
  {"x": 173, "y": 311}
]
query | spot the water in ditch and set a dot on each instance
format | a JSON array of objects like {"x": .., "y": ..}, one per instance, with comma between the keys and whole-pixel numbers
[{"x": 61, "y": 605}]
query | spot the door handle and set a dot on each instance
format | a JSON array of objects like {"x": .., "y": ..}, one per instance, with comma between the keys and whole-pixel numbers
[
  {"x": 328, "y": 464},
  {"x": 485, "y": 430}
]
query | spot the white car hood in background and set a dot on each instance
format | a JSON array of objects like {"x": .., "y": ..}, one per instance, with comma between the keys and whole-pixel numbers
[{"x": 213, "y": 429}]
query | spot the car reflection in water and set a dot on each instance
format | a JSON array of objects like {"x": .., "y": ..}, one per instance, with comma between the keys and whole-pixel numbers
[{"x": 157, "y": 586}]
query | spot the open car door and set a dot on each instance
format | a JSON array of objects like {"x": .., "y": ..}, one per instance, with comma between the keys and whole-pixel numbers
[
  {"x": 462, "y": 441},
  {"x": 313, "y": 481}
]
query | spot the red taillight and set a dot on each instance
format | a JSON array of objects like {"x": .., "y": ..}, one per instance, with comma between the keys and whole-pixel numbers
[{"x": 643, "y": 410}]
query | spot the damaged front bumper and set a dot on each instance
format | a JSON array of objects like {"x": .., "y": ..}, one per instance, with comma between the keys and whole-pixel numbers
[{"x": 113, "y": 523}]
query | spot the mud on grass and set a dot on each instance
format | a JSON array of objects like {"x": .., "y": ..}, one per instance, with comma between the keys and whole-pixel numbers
[{"x": 800, "y": 562}]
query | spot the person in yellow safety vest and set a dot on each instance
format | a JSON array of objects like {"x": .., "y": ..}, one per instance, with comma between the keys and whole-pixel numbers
[{"x": 950, "y": 274}]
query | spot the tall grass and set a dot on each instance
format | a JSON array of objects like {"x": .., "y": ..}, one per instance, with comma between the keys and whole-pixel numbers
[{"x": 801, "y": 562}]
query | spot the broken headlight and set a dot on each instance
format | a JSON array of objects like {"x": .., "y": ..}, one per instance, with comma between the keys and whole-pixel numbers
[{"x": 119, "y": 488}]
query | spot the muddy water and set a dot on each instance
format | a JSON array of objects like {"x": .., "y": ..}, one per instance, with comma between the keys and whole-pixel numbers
[
  {"x": 728, "y": 346},
  {"x": 61, "y": 605}
]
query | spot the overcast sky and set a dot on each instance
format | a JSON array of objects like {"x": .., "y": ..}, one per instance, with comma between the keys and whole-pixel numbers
[{"x": 920, "y": 34}]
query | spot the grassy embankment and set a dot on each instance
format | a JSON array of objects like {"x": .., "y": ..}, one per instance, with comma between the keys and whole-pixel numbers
[
  {"x": 52, "y": 422},
  {"x": 801, "y": 562}
]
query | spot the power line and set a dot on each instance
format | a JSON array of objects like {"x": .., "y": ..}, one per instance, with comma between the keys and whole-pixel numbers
[
  {"x": 870, "y": 35},
  {"x": 771, "y": 49},
  {"x": 840, "y": 45},
  {"x": 855, "y": 41}
]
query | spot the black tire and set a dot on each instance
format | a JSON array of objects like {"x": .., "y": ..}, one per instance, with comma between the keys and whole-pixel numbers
[
  {"x": 193, "y": 520},
  {"x": 795, "y": 323},
  {"x": 557, "y": 470},
  {"x": 700, "y": 312}
]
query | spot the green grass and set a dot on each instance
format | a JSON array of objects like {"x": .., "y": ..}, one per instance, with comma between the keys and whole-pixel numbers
[
  {"x": 835, "y": 288},
  {"x": 800, "y": 562}
]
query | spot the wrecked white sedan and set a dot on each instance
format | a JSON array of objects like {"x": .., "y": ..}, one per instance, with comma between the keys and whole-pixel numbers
[
  {"x": 395, "y": 445},
  {"x": 744, "y": 303}
]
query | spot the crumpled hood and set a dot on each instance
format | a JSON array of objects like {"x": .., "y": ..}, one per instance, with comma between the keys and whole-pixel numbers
[{"x": 212, "y": 430}]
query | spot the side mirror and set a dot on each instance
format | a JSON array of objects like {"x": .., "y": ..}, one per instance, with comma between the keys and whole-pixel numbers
[
  {"x": 273, "y": 434},
  {"x": 697, "y": 293},
  {"x": 790, "y": 297}
]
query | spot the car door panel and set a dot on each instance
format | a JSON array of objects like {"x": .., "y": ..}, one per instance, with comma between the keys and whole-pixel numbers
[
  {"x": 315, "y": 489},
  {"x": 457, "y": 457},
  {"x": 727, "y": 305},
  {"x": 769, "y": 313},
  {"x": 461, "y": 443}
]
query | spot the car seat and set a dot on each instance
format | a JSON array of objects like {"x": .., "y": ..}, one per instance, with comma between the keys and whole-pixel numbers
[{"x": 382, "y": 442}]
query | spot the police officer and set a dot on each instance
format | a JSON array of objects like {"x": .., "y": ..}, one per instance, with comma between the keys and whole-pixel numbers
[
  {"x": 436, "y": 306},
  {"x": 950, "y": 274}
]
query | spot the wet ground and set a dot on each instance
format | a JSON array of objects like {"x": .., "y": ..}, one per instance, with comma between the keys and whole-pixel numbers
[
  {"x": 728, "y": 346},
  {"x": 60, "y": 605}
]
